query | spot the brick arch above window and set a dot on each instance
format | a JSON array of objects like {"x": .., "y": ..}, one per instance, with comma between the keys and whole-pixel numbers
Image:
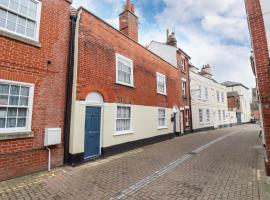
[{"x": 107, "y": 97}]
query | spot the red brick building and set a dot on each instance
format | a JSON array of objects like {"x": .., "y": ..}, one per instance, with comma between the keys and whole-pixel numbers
[
  {"x": 124, "y": 95},
  {"x": 258, "y": 12},
  {"x": 34, "y": 43}
]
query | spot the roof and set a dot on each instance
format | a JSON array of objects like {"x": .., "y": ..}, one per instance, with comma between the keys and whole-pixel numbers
[
  {"x": 173, "y": 47},
  {"x": 109, "y": 25},
  {"x": 232, "y": 84},
  {"x": 232, "y": 94}
]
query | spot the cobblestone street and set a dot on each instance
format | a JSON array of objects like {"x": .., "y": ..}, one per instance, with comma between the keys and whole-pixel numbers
[{"x": 220, "y": 164}]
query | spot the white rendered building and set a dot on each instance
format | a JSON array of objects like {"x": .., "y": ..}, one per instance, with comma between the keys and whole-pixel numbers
[
  {"x": 208, "y": 100},
  {"x": 243, "y": 115}
]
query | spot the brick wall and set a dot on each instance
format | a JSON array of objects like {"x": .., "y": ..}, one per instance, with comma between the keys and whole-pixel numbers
[
  {"x": 233, "y": 102},
  {"x": 261, "y": 54},
  {"x": 98, "y": 44},
  {"x": 26, "y": 63}
]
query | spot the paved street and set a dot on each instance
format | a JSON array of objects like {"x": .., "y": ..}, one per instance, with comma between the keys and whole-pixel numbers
[{"x": 219, "y": 164}]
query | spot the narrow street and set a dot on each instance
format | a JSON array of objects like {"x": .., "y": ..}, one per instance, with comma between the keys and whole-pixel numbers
[{"x": 220, "y": 164}]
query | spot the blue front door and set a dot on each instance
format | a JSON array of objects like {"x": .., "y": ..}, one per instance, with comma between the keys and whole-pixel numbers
[{"x": 92, "y": 132}]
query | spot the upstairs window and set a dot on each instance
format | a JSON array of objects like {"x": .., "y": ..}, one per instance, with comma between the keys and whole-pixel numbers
[
  {"x": 21, "y": 17},
  {"x": 224, "y": 115},
  {"x": 206, "y": 93},
  {"x": 123, "y": 121},
  {"x": 199, "y": 92},
  {"x": 183, "y": 63},
  {"x": 124, "y": 70},
  {"x": 161, "y": 84},
  {"x": 15, "y": 106},
  {"x": 217, "y": 96},
  {"x": 184, "y": 88},
  {"x": 161, "y": 118},
  {"x": 222, "y": 97}
]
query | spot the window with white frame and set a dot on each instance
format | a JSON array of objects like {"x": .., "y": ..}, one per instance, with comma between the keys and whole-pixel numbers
[
  {"x": 183, "y": 63},
  {"x": 21, "y": 17},
  {"x": 199, "y": 92},
  {"x": 187, "y": 117},
  {"x": 161, "y": 118},
  {"x": 124, "y": 70},
  {"x": 207, "y": 115},
  {"x": 224, "y": 115},
  {"x": 201, "y": 115},
  {"x": 123, "y": 121},
  {"x": 219, "y": 115},
  {"x": 222, "y": 97},
  {"x": 206, "y": 93},
  {"x": 161, "y": 84},
  {"x": 15, "y": 106},
  {"x": 184, "y": 88}
]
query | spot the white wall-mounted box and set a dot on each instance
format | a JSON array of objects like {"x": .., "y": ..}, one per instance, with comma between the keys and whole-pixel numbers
[{"x": 52, "y": 136}]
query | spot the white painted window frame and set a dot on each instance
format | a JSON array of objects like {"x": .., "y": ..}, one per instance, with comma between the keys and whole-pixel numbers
[
  {"x": 183, "y": 68},
  {"x": 165, "y": 121},
  {"x": 184, "y": 87},
  {"x": 199, "y": 92},
  {"x": 117, "y": 57},
  {"x": 38, "y": 17},
  {"x": 165, "y": 83},
  {"x": 206, "y": 93},
  {"x": 30, "y": 108},
  {"x": 124, "y": 132},
  {"x": 187, "y": 117}
]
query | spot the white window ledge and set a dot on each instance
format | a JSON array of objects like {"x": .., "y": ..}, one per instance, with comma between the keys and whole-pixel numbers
[
  {"x": 125, "y": 84},
  {"x": 123, "y": 133},
  {"x": 162, "y": 127},
  {"x": 19, "y": 38},
  {"x": 164, "y": 94},
  {"x": 16, "y": 135}
]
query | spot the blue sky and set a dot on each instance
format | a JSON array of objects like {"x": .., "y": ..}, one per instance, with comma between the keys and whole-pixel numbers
[{"x": 212, "y": 32}]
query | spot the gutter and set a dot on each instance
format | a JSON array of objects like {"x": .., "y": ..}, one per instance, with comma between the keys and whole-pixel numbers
[{"x": 69, "y": 88}]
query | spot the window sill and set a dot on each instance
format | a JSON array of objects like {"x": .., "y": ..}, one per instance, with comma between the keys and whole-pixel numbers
[
  {"x": 183, "y": 71},
  {"x": 19, "y": 38},
  {"x": 16, "y": 135},
  {"x": 123, "y": 133},
  {"x": 164, "y": 94},
  {"x": 162, "y": 127},
  {"x": 125, "y": 84},
  {"x": 184, "y": 96}
]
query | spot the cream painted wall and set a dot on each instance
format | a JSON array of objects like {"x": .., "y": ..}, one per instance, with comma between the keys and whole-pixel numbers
[{"x": 144, "y": 122}]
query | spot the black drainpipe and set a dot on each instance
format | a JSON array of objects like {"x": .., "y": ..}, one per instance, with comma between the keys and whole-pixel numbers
[{"x": 69, "y": 88}]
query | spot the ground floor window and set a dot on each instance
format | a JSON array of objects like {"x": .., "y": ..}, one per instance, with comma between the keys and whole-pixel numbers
[
  {"x": 15, "y": 106},
  {"x": 219, "y": 115},
  {"x": 207, "y": 115},
  {"x": 187, "y": 117},
  {"x": 224, "y": 115},
  {"x": 123, "y": 121},
  {"x": 161, "y": 117},
  {"x": 201, "y": 115}
]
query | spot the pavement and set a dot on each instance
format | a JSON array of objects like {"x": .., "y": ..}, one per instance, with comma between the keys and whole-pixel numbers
[{"x": 220, "y": 164}]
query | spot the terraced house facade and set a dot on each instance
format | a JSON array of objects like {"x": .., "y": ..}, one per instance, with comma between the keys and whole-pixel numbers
[
  {"x": 123, "y": 95},
  {"x": 33, "y": 66}
]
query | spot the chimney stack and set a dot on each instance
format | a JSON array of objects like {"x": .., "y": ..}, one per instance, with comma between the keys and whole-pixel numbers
[
  {"x": 171, "y": 39},
  {"x": 206, "y": 71},
  {"x": 128, "y": 21}
]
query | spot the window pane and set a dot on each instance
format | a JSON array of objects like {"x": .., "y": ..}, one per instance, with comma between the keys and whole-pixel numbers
[
  {"x": 24, "y": 91},
  {"x": 21, "y": 122},
  {"x": 4, "y": 89},
  {"x": 2, "y": 23},
  {"x": 3, "y": 112},
  {"x": 4, "y": 2},
  {"x": 13, "y": 100},
  {"x": 12, "y": 17},
  {"x": 22, "y": 112},
  {"x": 33, "y": 5},
  {"x": 12, "y": 112},
  {"x": 24, "y": 3},
  {"x": 30, "y": 33},
  {"x": 14, "y": 4},
  {"x": 22, "y": 21},
  {"x": 2, "y": 122},
  {"x": 11, "y": 123},
  {"x": 21, "y": 29},
  {"x": 3, "y": 99},
  {"x": 3, "y": 13},
  {"x": 32, "y": 14},
  {"x": 23, "y": 10},
  {"x": 14, "y": 90},
  {"x": 11, "y": 26},
  {"x": 23, "y": 101}
]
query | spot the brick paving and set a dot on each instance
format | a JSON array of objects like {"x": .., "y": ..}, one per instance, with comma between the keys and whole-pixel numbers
[{"x": 228, "y": 169}]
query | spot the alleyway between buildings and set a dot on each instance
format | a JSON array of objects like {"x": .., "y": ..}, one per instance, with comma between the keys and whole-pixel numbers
[{"x": 220, "y": 164}]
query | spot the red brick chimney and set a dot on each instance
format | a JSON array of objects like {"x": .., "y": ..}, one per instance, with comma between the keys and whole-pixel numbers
[{"x": 128, "y": 21}]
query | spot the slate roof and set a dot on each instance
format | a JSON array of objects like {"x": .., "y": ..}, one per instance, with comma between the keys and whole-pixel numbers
[{"x": 231, "y": 84}]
